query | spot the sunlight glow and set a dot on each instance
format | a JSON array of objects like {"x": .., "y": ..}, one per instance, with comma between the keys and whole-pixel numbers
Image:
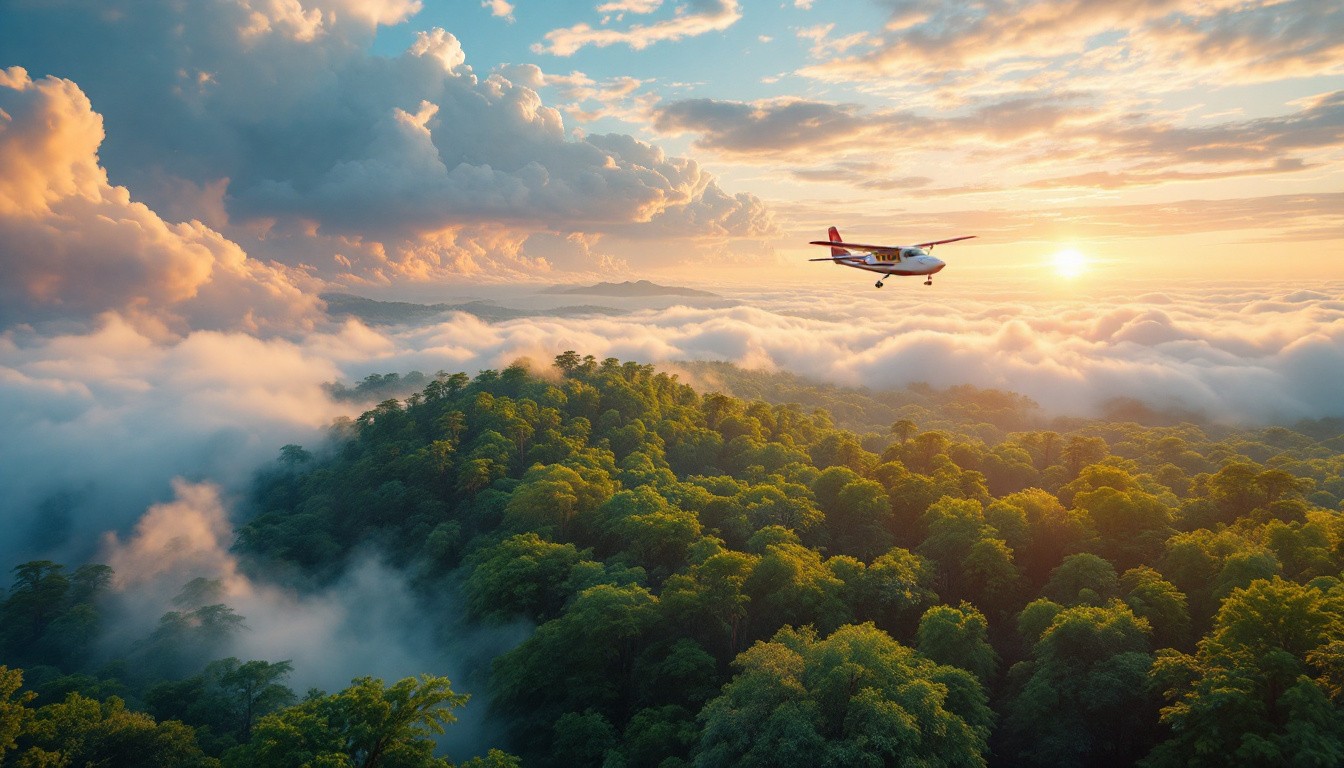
[{"x": 1069, "y": 263}]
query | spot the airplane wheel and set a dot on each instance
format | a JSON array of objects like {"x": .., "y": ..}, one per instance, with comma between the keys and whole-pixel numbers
[{"x": 878, "y": 284}]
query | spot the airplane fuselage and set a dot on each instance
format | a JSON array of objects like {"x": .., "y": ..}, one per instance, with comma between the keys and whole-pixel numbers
[{"x": 912, "y": 261}]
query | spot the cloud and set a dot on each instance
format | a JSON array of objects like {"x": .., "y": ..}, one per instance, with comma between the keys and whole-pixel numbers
[
  {"x": 73, "y": 246},
  {"x": 500, "y": 8},
  {"x": 1161, "y": 44},
  {"x": 369, "y": 621},
  {"x": 98, "y": 421},
  {"x": 1270, "y": 219},
  {"x": 698, "y": 17},
  {"x": 1013, "y": 138},
  {"x": 630, "y": 6},
  {"x": 350, "y": 165}
]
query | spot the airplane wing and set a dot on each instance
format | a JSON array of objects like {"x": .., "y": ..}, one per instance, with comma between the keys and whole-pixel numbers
[
  {"x": 850, "y": 257},
  {"x": 874, "y": 249},
  {"x": 932, "y": 243}
]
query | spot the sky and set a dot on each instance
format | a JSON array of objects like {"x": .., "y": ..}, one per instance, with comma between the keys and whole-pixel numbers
[
  {"x": 1156, "y": 189},
  {"x": 382, "y": 144}
]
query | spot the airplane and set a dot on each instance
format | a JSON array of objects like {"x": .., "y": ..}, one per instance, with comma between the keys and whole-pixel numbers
[{"x": 887, "y": 259}]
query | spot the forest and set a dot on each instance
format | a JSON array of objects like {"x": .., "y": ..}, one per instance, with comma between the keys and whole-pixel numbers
[{"x": 752, "y": 571}]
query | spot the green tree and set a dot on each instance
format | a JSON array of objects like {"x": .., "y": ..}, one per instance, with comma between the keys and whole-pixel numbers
[
  {"x": 524, "y": 575},
  {"x": 1082, "y": 578},
  {"x": 1159, "y": 601},
  {"x": 15, "y": 715},
  {"x": 1081, "y": 699},
  {"x": 895, "y": 588},
  {"x": 958, "y": 637},
  {"x": 598, "y": 639},
  {"x": 82, "y": 731},
  {"x": 710, "y": 601},
  {"x": 252, "y": 688},
  {"x": 367, "y": 725},
  {"x": 1260, "y": 690},
  {"x": 857, "y": 698}
]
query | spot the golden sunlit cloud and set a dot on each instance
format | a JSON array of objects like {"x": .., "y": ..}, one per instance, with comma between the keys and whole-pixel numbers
[{"x": 1069, "y": 263}]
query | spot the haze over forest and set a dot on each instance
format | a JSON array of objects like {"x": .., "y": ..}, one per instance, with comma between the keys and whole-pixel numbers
[{"x": 300, "y": 392}]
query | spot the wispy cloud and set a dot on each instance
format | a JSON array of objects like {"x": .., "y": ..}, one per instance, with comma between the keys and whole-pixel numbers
[
  {"x": 1162, "y": 43},
  {"x": 697, "y": 17},
  {"x": 1030, "y": 135}
]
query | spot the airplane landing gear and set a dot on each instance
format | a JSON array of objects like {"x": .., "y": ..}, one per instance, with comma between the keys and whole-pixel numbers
[
  {"x": 878, "y": 284},
  {"x": 929, "y": 281}
]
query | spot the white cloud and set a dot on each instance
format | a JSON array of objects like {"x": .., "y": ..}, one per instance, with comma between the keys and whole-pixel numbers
[
  {"x": 368, "y": 622},
  {"x": 701, "y": 17},
  {"x": 73, "y": 246},
  {"x": 347, "y": 164},
  {"x": 501, "y": 8}
]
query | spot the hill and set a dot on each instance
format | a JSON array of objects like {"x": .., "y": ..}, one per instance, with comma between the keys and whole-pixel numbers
[
  {"x": 627, "y": 289},
  {"x": 376, "y": 312}
]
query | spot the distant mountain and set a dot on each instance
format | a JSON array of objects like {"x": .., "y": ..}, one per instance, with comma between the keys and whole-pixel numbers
[
  {"x": 640, "y": 288},
  {"x": 399, "y": 312}
]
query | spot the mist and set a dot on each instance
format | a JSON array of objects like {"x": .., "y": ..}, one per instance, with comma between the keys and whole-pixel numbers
[{"x": 367, "y": 622}]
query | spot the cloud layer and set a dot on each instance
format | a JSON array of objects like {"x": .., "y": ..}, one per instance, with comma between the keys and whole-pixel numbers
[{"x": 102, "y": 421}]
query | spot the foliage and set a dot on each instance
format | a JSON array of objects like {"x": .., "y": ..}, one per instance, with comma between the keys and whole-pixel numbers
[
  {"x": 855, "y": 698},
  {"x": 742, "y": 575},
  {"x": 368, "y": 724}
]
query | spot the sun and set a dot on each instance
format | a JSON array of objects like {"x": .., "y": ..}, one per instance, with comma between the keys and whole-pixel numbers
[{"x": 1070, "y": 263}]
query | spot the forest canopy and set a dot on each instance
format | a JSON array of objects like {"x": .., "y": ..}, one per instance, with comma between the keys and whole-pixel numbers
[{"x": 760, "y": 571}]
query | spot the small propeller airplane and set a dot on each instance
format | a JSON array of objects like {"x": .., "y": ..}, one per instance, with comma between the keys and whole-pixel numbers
[{"x": 888, "y": 260}]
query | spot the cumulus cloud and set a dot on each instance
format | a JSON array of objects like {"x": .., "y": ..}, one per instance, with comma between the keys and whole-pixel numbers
[
  {"x": 274, "y": 122},
  {"x": 73, "y": 246},
  {"x": 696, "y": 17}
]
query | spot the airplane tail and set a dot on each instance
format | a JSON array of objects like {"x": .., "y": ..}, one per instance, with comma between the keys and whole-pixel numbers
[{"x": 834, "y": 235}]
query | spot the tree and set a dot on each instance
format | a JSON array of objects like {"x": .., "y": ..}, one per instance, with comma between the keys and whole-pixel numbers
[
  {"x": 792, "y": 585},
  {"x": 1159, "y": 601},
  {"x": 1082, "y": 578},
  {"x": 958, "y": 637},
  {"x": 36, "y": 599},
  {"x": 15, "y": 715},
  {"x": 859, "y": 520},
  {"x": 598, "y": 638},
  {"x": 709, "y": 601},
  {"x": 894, "y": 589},
  {"x": 903, "y": 429},
  {"x": 522, "y": 575},
  {"x": 83, "y": 731},
  {"x": 1260, "y": 690},
  {"x": 367, "y": 725},
  {"x": 857, "y": 698},
  {"x": 1081, "y": 699},
  {"x": 253, "y": 688}
]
